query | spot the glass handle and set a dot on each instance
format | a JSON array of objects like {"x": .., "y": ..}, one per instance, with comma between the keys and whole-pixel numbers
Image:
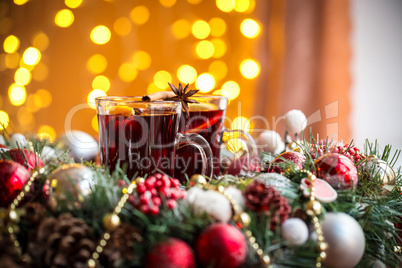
[
  {"x": 201, "y": 144},
  {"x": 240, "y": 144}
]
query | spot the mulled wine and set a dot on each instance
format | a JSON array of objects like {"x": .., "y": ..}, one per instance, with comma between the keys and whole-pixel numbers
[
  {"x": 208, "y": 124},
  {"x": 143, "y": 136},
  {"x": 144, "y": 144}
]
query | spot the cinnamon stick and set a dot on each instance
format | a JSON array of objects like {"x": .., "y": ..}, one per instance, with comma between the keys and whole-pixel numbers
[{"x": 161, "y": 95}]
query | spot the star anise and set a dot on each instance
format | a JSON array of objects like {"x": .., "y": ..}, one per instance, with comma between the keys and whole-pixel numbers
[{"x": 183, "y": 95}]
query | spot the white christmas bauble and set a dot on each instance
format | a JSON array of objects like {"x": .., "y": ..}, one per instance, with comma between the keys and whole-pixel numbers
[
  {"x": 2, "y": 140},
  {"x": 48, "y": 153},
  {"x": 295, "y": 231},
  {"x": 270, "y": 142},
  {"x": 213, "y": 203},
  {"x": 295, "y": 121},
  {"x": 18, "y": 140},
  {"x": 82, "y": 146},
  {"x": 345, "y": 238}
]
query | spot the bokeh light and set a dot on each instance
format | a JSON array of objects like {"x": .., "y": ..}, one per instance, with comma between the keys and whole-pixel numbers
[
  {"x": 139, "y": 15},
  {"x": 43, "y": 98},
  {"x": 181, "y": 28},
  {"x": 101, "y": 82},
  {"x": 40, "y": 72},
  {"x": 12, "y": 60},
  {"x": 64, "y": 18},
  {"x": 40, "y": 41},
  {"x": 73, "y": 3},
  {"x": 218, "y": 26},
  {"x": 205, "y": 49},
  {"x": 31, "y": 56},
  {"x": 94, "y": 123},
  {"x": 187, "y": 74},
  {"x": 122, "y": 26},
  {"x": 231, "y": 89},
  {"x": 244, "y": 6},
  {"x": 17, "y": 94},
  {"x": 20, "y": 2},
  {"x": 219, "y": 92},
  {"x": 127, "y": 72},
  {"x": 162, "y": 78},
  {"x": 4, "y": 120},
  {"x": 242, "y": 123},
  {"x": 167, "y": 3},
  {"x": 32, "y": 103},
  {"x": 200, "y": 29},
  {"x": 250, "y": 68},
  {"x": 219, "y": 47},
  {"x": 152, "y": 88},
  {"x": 25, "y": 117},
  {"x": 205, "y": 82},
  {"x": 97, "y": 64},
  {"x": 93, "y": 95},
  {"x": 226, "y": 5},
  {"x": 11, "y": 44},
  {"x": 218, "y": 69},
  {"x": 100, "y": 35},
  {"x": 47, "y": 132},
  {"x": 250, "y": 28},
  {"x": 22, "y": 76},
  {"x": 141, "y": 60}
]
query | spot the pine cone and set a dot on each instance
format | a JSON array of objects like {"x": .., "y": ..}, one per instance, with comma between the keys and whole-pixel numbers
[
  {"x": 62, "y": 242},
  {"x": 34, "y": 213},
  {"x": 120, "y": 246},
  {"x": 261, "y": 198}
]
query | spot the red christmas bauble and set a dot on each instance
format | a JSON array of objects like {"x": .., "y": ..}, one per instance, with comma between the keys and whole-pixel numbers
[
  {"x": 338, "y": 170},
  {"x": 173, "y": 253},
  {"x": 221, "y": 246},
  {"x": 13, "y": 176},
  {"x": 277, "y": 165},
  {"x": 26, "y": 158}
]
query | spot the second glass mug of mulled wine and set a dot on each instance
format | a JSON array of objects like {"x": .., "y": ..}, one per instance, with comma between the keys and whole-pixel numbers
[
  {"x": 206, "y": 118},
  {"x": 143, "y": 136}
]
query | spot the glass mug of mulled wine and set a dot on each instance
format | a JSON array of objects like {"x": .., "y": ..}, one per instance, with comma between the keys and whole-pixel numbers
[
  {"x": 206, "y": 118},
  {"x": 143, "y": 136}
]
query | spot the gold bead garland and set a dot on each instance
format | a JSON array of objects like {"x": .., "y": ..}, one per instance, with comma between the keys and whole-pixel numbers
[
  {"x": 12, "y": 215},
  {"x": 313, "y": 208},
  {"x": 112, "y": 221}
]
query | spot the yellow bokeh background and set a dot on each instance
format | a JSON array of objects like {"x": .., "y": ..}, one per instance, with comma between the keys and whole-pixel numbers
[{"x": 66, "y": 55}]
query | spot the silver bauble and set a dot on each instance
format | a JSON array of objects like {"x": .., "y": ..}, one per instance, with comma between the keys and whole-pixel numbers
[
  {"x": 295, "y": 231},
  {"x": 383, "y": 169},
  {"x": 81, "y": 145},
  {"x": 71, "y": 183},
  {"x": 274, "y": 179},
  {"x": 345, "y": 238}
]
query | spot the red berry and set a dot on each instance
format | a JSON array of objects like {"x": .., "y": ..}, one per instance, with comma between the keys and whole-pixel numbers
[
  {"x": 158, "y": 176},
  {"x": 144, "y": 199},
  {"x": 171, "y": 204},
  {"x": 174, "y": 182},
  {"x": 154, "y": 210},
  {"x": 165, "y": 191},
  {"x": 156, "y": 201},
  {"x": 150, "y": 182},
  {"x": 144, "y": 208},
  {"x": 141, "y": 188}
]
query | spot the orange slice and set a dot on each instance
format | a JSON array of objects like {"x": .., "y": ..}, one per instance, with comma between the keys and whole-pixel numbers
[
  {"x": 121, "y": 109},
  {"x": 202, "y": 106}
]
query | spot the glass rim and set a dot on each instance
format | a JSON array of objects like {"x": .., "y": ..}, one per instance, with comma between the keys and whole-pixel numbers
[{"x": 133, "y": 99}]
